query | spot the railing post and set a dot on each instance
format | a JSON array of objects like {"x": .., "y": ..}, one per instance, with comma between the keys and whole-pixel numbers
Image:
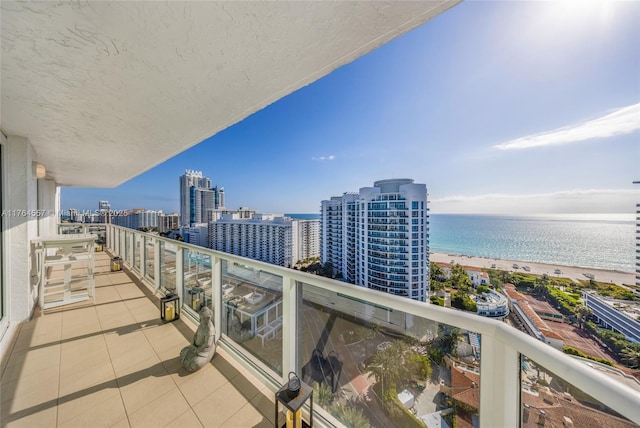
[
  {"x": 179, "y": 273},
  {"x": 156, "y": 264},
  {"x": 290, "y": 296},
  {"x": 216, "y": 293},
  {"x": 143, "y": 256},
  {"x": 130, "y": 241},
  {"x": 499, "y": 383}
]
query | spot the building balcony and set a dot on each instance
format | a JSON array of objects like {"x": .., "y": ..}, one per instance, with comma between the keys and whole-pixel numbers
[{"x": 116, "y": 359}]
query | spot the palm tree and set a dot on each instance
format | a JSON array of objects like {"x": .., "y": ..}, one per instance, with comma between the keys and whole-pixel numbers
[
  {"x": 351, "y": 416},
  {"x": 323, "y": 394},
  {"x": 583, "y": 313},
  {"x": 631, "y": 357}
]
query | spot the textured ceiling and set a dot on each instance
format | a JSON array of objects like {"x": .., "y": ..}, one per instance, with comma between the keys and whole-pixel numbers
[{"x": 106, "y": 90}]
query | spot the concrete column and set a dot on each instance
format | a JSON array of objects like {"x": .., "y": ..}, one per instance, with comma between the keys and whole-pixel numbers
[{"x": 21, "y": 199}]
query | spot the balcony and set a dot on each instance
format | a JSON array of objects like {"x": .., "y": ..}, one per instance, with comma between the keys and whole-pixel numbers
[
  {"x": 116, "y": 359},
  {"x": 115, "y": 364}
]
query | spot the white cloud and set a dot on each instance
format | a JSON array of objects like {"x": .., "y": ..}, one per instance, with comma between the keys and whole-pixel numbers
[
  {"x": 323, "y": 158},
  {"x": 621, "y": 121},
  {"x": 567, "y": 201}
]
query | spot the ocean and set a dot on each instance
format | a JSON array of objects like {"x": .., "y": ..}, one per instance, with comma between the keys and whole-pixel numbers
[{"x": 590, "y": 241}]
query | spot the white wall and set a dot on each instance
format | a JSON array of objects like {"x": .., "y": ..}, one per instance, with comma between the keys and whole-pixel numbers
[{"x": 26, "y": 199}]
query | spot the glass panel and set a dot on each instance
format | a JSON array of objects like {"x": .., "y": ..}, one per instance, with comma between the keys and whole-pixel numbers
[
  {"x": 149, "y": 256},
  {"x": 252, "y": 311},
  {"x": 168, "y": 266},
  {"x": 136, "y": 251},
  {"x": 197, "y": 288},
  {"x": 375, "y": 366},
  {"x": 548, "y": 400},
  {"x": 126, "y": 246}
]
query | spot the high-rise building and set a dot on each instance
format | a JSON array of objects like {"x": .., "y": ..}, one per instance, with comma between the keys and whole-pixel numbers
[
  {"x": 137, "y": 219},
  {"x": 197, "y": 197},
  {"x": 104, "y": 212},
  {"x": 168, "y": 222},
  {"x": 637, "y": 242},
  {"x": 379, "y": 237},
  {"x": 190, "y": 179},
  {"x": 271, "y": 238}
]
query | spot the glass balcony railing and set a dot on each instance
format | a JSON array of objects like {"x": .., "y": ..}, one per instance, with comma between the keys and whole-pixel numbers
[{"x": 371, "y": 356}]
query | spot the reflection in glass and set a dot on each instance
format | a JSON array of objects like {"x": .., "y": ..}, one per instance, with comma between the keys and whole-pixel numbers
[
  {"x": 149, "y": 257},
  {"x": 375, "y": 366},
  {"x": 252, "y": 311},
  {"x": 197, "y": 288},
  {"x": 136, "y": 251},
  {"x": 167, "y": 266},
  {"x": 548, "y": 400}
]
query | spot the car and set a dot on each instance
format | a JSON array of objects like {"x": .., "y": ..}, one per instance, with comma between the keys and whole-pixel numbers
[
  {"x": 557, "y": 271},
  {"x": 515, "y": 266}
]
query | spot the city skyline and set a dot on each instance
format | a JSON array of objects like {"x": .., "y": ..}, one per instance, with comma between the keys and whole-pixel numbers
[{"x": 506, "y": 108}]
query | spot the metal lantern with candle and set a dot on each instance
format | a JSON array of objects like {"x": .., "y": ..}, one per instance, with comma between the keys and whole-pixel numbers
[
  {"x": 293, "y": 395},
  {"x": 116, "y": 264},
  {"x": 196, "y": 296},
  {"x": 170, "y": 307}
]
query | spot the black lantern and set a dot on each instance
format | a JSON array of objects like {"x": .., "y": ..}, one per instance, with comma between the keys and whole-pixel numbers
[
  {"x": 116, "y": 264},
  {"x": 293, "y": 395},
  {"x": 196, "y": 298},
  {"x": 170, "y": 307}
]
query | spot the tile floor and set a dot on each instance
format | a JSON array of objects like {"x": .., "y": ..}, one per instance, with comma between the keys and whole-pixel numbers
[{"x": 114, "y": 364}]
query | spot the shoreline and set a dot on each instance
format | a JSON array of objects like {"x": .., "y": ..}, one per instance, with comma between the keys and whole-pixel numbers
[{"x": 574, "y": 273}]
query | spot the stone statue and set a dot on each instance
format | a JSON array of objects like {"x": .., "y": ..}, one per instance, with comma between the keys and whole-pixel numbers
[{"x": 203, "y": 345}]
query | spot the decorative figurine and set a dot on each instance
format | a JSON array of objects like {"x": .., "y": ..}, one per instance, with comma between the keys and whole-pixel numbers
[{"x": 203, "y": 346}]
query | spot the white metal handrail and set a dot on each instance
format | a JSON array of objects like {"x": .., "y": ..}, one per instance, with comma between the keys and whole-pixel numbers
[{"x": 501, "y": 345}]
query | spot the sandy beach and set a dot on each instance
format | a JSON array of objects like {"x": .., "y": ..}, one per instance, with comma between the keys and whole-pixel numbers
[{"x": 571, "y": 272}]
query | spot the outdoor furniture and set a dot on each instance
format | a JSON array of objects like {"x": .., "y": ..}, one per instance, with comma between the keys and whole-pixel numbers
[{"x": 72, "y": 252}]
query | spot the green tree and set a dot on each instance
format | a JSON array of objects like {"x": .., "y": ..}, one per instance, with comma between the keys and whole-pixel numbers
[
  {"x": 631, "y": 357},
  {"x": 460, "y": 280},
  {"x": 350, "y": 415},
  {"x": 582, "y": 312},
  {"x": 436, "y": 273},
  {"x": 323, "y": 394}
]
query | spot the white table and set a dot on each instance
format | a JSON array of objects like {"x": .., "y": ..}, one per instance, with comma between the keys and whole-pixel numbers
[{"x": 70, "y": 250}]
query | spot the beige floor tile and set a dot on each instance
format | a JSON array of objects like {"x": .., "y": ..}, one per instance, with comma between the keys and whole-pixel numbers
[
  {"x": 143, "y": 386},
  {"x": 247, "y": 416},
  {"x": 29, "y": 362},
  {"x": 29, "y": 384},
  {"x": 43, "y": 418},
  {"x": 30, "y": 400},
  {"x": 81, "y": 354},
  {"x": 102, "y": 414},
  {"x": 73, "y": 405},
  {"x": 106, "y": 294},
  {"x": 85, "y": 379},
  {"x": 132, "y": 357},
  {"x": 200, "y": 384},
  {"x": 122, "y": 423},
  {"x": 186, "y": 420},
  {"x": 101, "y": 280},
  {"x": 161, "y": 411},
  {"x": 219, "y": 406},
  {"x": 264, "y": 402}
]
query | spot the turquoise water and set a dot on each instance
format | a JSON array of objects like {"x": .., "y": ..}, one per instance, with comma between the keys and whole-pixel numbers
[
  {"x": 592, "y": 241},
  {"x": 604, "y": 242}
]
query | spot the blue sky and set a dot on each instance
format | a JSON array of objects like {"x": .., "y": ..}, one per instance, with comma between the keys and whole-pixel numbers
[{"x": 499, "y": 107}]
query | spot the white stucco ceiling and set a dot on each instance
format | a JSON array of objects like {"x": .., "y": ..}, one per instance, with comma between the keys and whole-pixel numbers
[{"x": 106, "y": 90}]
